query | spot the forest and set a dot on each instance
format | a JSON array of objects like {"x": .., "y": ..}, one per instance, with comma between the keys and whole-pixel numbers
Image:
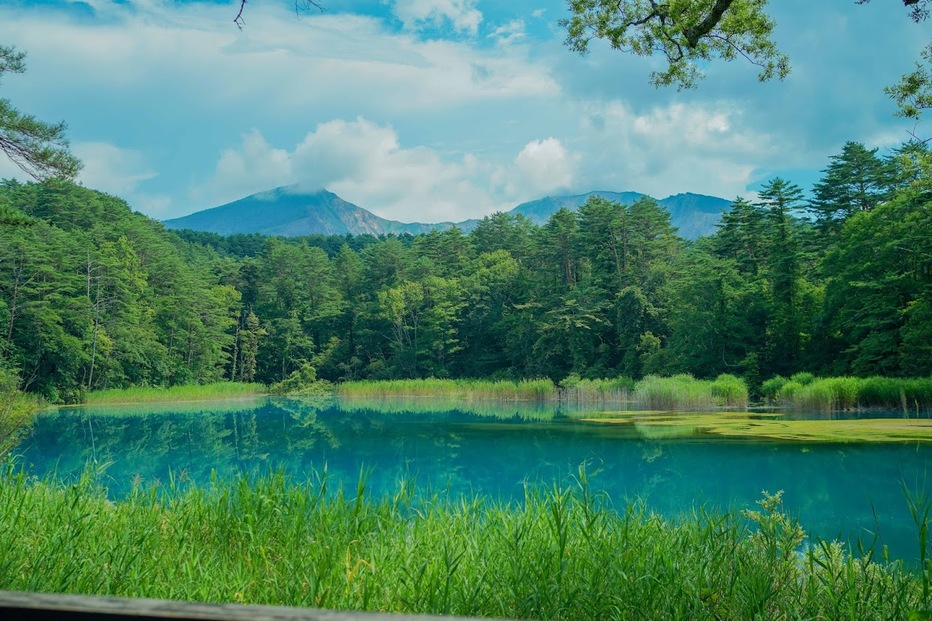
[{"x": 836, "y": 281}]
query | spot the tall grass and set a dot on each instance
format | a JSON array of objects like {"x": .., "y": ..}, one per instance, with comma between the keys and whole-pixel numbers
[
  {"x": 564, "y": 553},
  {"x": 682, "y": 392},
  {"x": 505, "y": 410},
  {"x": 194, "y": 392},
  {"x": 850, "y": 393},
  {"x": 463, "y": 389},
  {"x": 583, "y": 392},
  {"x": 685, "y": 392},
  {"x": 16, "y": 412}
]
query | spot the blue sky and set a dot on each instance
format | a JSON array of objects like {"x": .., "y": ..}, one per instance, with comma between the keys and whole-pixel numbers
[{"x": 430, "y": 110}]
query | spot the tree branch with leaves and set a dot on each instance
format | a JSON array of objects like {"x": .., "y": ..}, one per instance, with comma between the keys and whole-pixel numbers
[
  {"x": 40, "y": 149},
  {"x": 686, "y": 32}
]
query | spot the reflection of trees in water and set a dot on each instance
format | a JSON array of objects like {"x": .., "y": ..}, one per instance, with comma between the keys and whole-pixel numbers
[{"x": 825, "y": 484}]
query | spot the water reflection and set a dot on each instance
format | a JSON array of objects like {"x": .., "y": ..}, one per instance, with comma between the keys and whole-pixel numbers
[{"x": 837, "y": 489}]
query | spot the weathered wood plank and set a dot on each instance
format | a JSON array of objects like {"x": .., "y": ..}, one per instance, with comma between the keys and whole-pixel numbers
[{"x": 19, "y": 606}]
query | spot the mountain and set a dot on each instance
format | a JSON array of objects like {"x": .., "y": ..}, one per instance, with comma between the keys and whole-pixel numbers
[
  {"x": 692, "y": 214},
  {"x": 290, "y": 212}
]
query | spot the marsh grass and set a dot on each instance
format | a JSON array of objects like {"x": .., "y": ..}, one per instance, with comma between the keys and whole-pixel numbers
[
  {"x": 508, "y": 410},
  {"x": 464, "y": 390},
  {"x": 196, "y": 392},
  {"x": 584, "y": 392},
  {"x": 564, "y": 553},
  {"x": 680, "y": 392},
  {"x": 684, "y": 392},
  {"x": 910, "y": 395},
  {"x": 16, "y": 412}
]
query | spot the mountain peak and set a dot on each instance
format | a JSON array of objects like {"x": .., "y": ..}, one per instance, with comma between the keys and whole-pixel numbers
[{"x": 295, "y": 210}]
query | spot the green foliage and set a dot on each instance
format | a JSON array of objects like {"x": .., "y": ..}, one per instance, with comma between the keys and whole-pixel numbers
[
  {"x": 301, "y": 382},
  {"x": 913, "y": 93},
  {"x": 563, "y": 553},
  {"x": 686, "y": 32}
]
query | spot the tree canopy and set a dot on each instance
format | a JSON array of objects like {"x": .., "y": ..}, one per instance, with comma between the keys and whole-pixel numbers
[{"x": 684, "y": 31}]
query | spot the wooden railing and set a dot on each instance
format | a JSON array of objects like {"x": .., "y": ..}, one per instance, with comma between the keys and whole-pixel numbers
[{"x": 17, "y": 606}]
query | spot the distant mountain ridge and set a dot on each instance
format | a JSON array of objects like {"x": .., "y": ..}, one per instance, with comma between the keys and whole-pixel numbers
[{"x": 291, "y": 212}]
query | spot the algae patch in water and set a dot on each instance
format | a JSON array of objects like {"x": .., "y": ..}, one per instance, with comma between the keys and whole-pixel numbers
[{"x": 666, "y": 425}]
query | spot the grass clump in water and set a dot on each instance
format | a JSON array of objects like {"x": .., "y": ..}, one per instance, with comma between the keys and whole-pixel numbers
[
  {"x": 564, "y": 553},
  {"x": 577, "y": 391},
  {"x": 850, "y": 393},
  {"x": 466, "y": 389},
  {"x": 193, "y": 392},
  {"x": 685, "y": 392}
]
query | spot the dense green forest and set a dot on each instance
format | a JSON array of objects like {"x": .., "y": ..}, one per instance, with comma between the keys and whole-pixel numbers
[{"x": 95, "y": 296}]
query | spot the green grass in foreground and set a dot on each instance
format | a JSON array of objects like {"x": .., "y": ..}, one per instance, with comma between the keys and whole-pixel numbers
[
  {"x": 194, "y": 392},
  {"x": 563, "y": 554}
]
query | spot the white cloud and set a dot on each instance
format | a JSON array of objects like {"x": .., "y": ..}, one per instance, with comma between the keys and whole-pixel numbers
[
  {"x": 461, "y": 14},
  {"x": 254, "y": 166},
  {"x": 542, "y": 167},
  {"x": 110, "y": 168},
  {"x": 365, "y": 163},
  {"x": 509, "y": 33},
  {"x": 362, "y": 162},
  {"x": 707, "y": 149}
]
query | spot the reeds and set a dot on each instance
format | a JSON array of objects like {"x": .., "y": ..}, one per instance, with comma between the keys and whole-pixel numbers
[
  {"x": 16, "y": 412},
  {"x": 564, "y": 553},
  {"x": 460, "y": 389},
  {"x": 910, "y": 395},
  {"x": 193, "y": 392},
  {"x": 504, "y": 410},
  {"x": 680, "y": 392},
  {"x": 583, "y": 392},
  {"x": 684, "y": 392}
]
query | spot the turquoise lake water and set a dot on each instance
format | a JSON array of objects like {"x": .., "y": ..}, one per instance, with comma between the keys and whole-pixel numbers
[{"x": 845, "y": 491}]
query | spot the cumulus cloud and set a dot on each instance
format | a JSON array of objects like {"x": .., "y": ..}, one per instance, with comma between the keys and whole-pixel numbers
[
  {"x": 675, "y": 148},
  {"x": 462, "y": 15},
  {"x": 110, "y": 168},
  {"x": 365, "y": 163},
  {"x": 542, "y": 167}
]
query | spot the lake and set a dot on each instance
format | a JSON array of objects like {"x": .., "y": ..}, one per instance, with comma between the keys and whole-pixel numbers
[{"x": 838, "y": 490}]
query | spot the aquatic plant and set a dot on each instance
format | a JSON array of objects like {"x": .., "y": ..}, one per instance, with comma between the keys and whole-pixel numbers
[
  {"x": 848, "y": 393},
  {"x": 191, "y": 392},
  {"x": 577, "y": 391},
  {"x": 565, "y": 552},
  {"x": 684, "y": 392},
  {"x": 468, "y": 389},
  {"x": 769, "y": 389}
]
